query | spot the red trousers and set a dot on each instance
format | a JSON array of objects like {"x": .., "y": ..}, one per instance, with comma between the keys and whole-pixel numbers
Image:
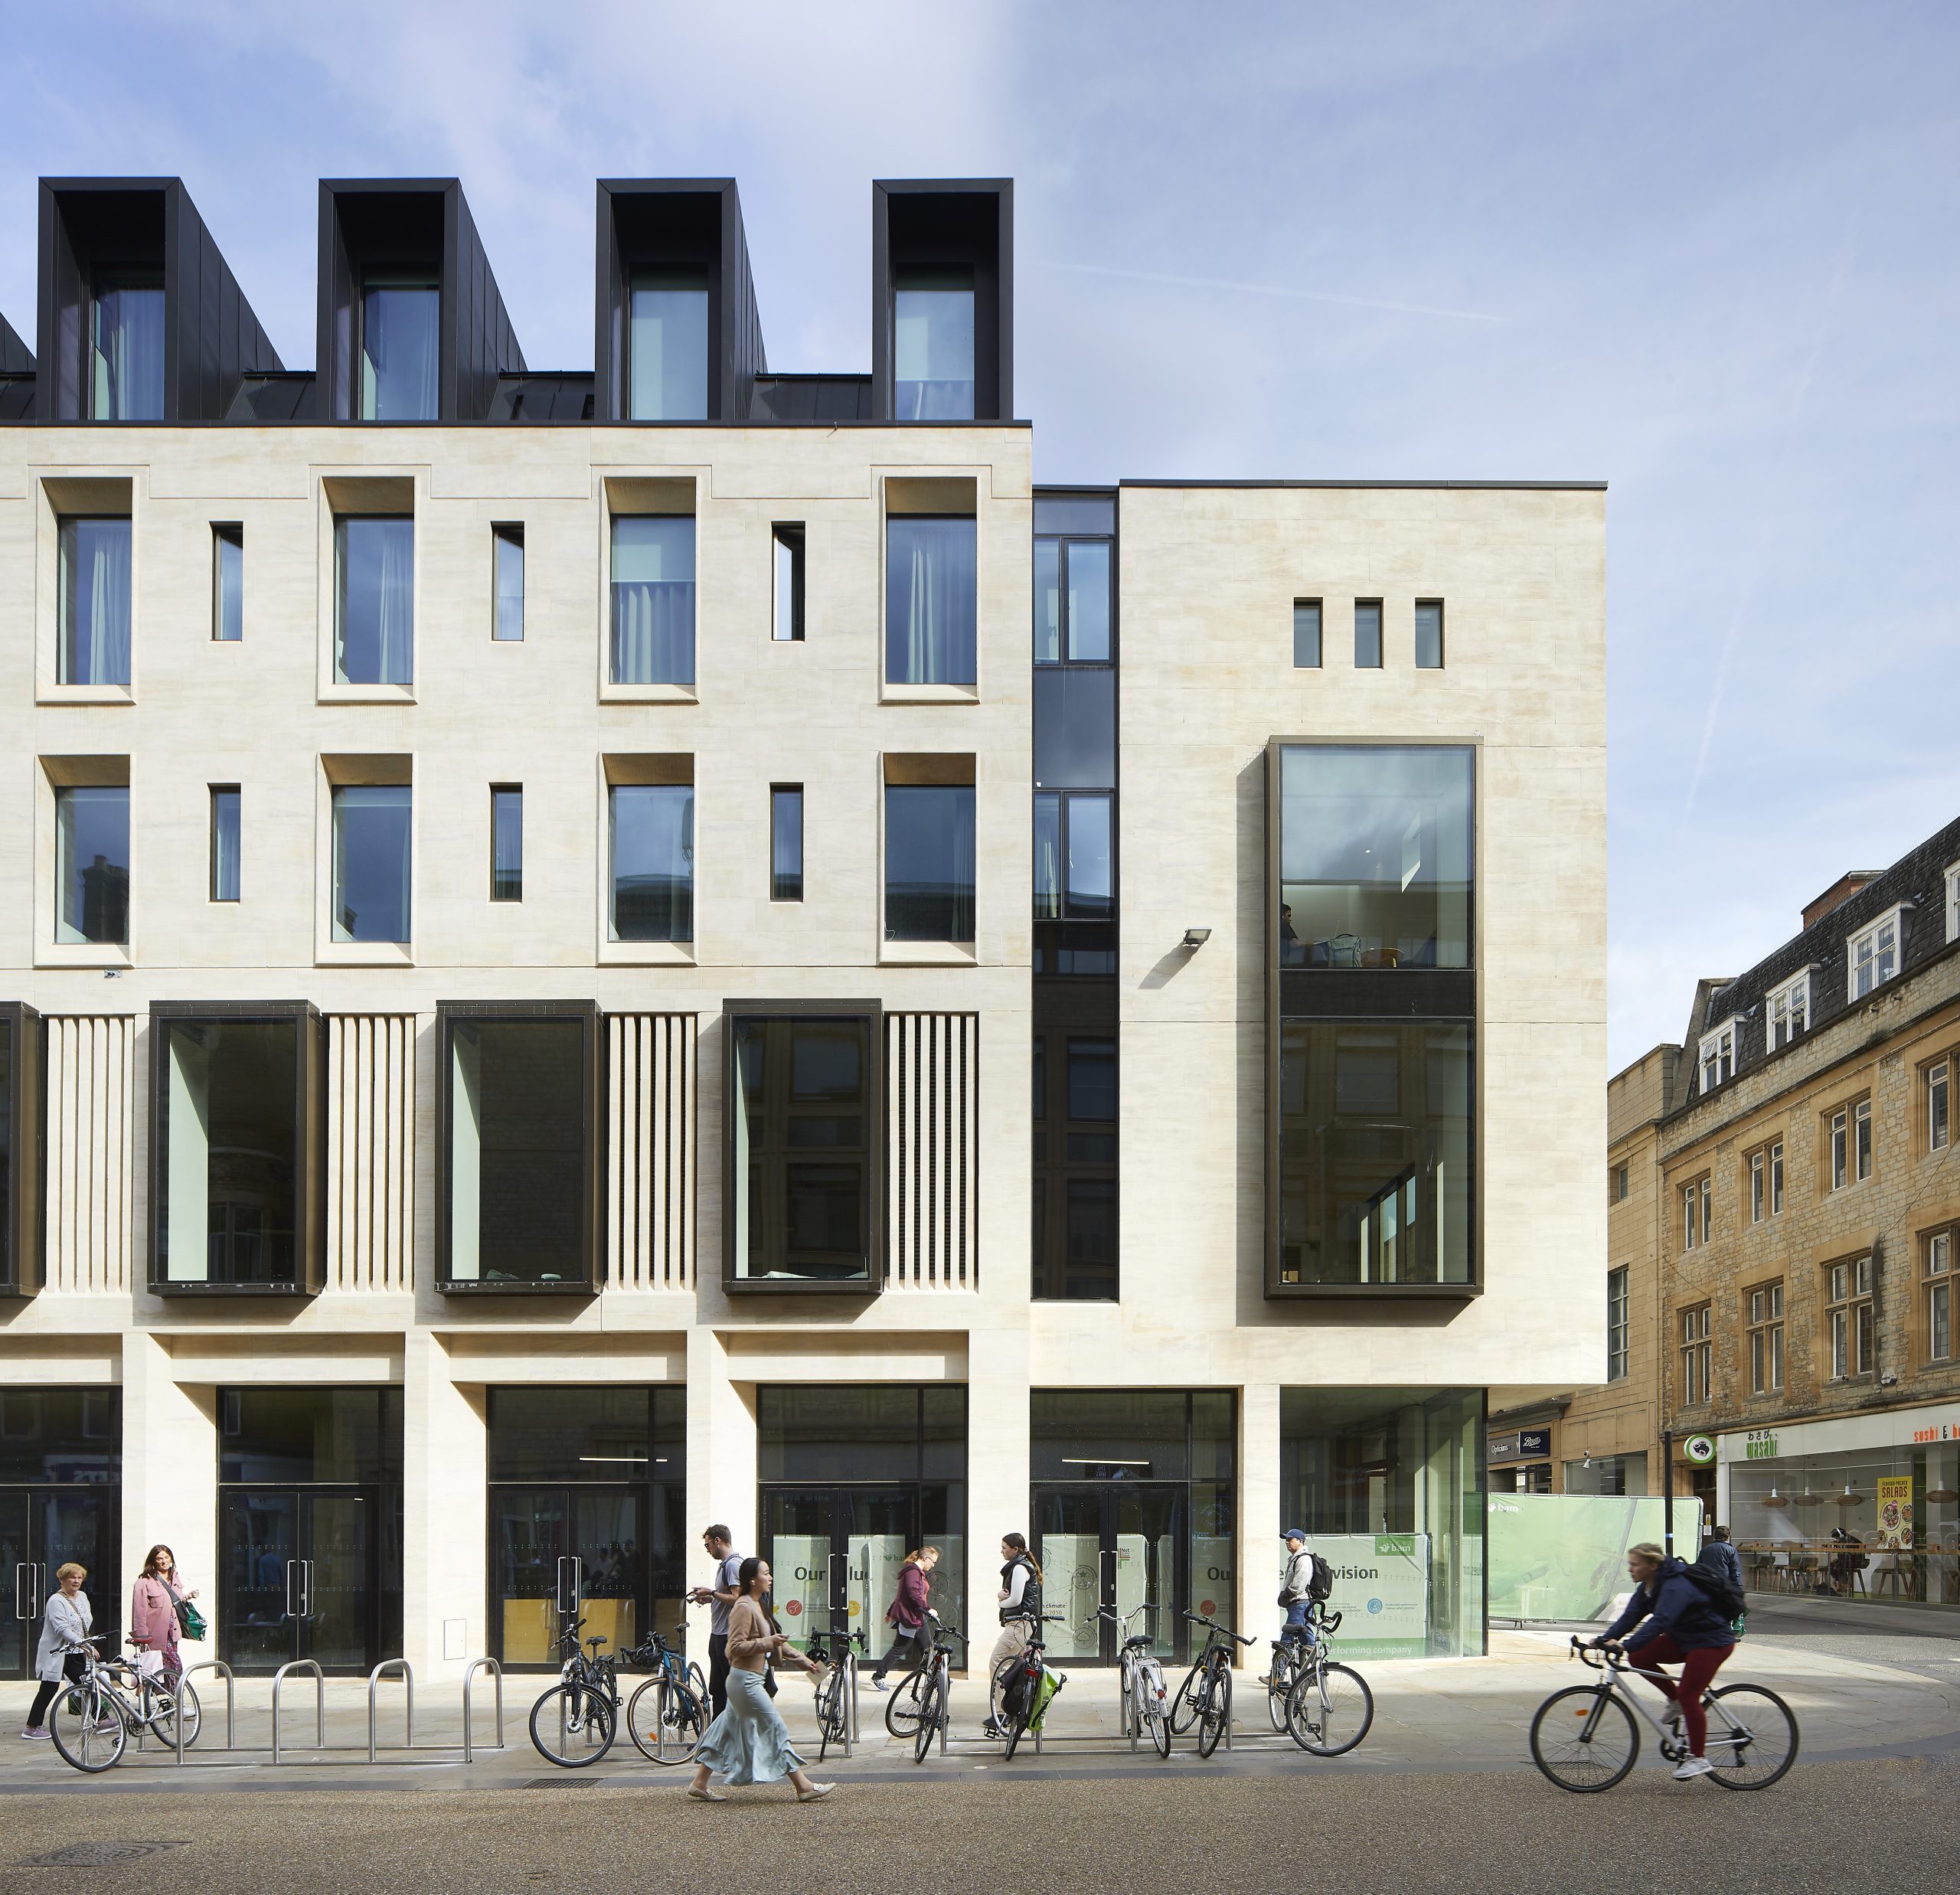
[{"x": 1697, "y": 1667}]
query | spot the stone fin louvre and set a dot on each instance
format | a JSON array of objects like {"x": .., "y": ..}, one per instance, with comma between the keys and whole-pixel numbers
[
  {"x": 90, "y": 1091},
  {"x": 371, "y": 1152},
  {"x": 652, "y": 1161},
  {"x": 932, "y": 1121}
]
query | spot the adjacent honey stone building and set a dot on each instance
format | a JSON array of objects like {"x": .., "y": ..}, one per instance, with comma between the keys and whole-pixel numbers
[{"x": 587, "y": 953}]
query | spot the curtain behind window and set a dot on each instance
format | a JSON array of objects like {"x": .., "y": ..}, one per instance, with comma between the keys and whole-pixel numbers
[
  {"x": 931, "y": 574},
  {"x": 653, "y": 598},
  {"x": 129, "y": 352},
  {"x": 95, "y": 602}
]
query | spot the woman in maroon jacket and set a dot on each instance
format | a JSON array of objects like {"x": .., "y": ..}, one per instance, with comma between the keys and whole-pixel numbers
[
  {"x": 907, "y": 1615},
  {"x": 153, "y": 1625}
]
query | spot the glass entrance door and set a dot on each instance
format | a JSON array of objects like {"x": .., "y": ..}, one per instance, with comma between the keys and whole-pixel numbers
[
  {"x": 1111, "y": 1544},
  {"x": 299, "y": 1579},
  {"x": 835, "y": 1553},
  {"x": 533, "y": 1531},
  {"x": 42, "y": 1529}
]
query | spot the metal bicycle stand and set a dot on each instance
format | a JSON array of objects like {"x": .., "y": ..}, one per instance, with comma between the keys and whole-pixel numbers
[{"x": 231, "y": 1702}]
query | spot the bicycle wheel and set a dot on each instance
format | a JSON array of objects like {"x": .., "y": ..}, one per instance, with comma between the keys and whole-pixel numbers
[
  {"x": 1017, "y": 1728},
  {"x": 1279, "y": 1682},
  {"x": 1330, "y": 1709},
  {"x": 1215, "y": 1716},
  {"x": 1584, "y": 1739},
  {"x": 830, "y": 1711},
  {"x": 88, "y": 1729},
  {"x": 572, "y": 1725},
  {"x": 665, "y": 1720},
  {"x": 932, "y": 1715},
  {"x": 1158, "y": 1718},
  {"x": 1127, "y": 1719},
  {"x": 902, "y": 1707},
  {"x": 163, "y": 1707},
  {"x": 1752, "y": 1736},
  {"x": 1184, "y": 1706}
]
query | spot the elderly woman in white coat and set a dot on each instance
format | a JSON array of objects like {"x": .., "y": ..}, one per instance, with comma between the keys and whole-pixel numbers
[{"x": 65, "y": 1623}]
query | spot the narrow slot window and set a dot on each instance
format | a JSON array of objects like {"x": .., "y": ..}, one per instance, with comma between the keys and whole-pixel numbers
[
  {"x": 1306, "y": 634},
  {"x": 1429, "y": 634},
  {"x": 788, "y": 624},
  {"x": 785, "y": 842},
  {"x": 227, "y": 582},
  {"x": 507, "y": 842},
  {"x": 1367, "y": 635},
  {"x": 224, "y": 842},
  {"x": 507, "y": 541}
]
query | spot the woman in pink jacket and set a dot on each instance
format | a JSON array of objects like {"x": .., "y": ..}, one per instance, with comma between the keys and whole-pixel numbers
[
  {"x": 153, "y": 1624},
  {"x": 911, "y": 1646}
]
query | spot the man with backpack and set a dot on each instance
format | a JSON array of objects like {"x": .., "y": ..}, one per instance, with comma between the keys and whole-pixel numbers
[
  {"x": 1689, "y": 1612},
  {"x": 1308, "y": 1579}
]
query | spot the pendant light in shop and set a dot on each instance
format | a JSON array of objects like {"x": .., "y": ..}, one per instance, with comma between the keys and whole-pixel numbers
[
  {"x": 1807, "y": 1498},
  {"x": 1942, "y": 1495},
  {"x": 1847, "y": 1498},
  {"x": 1772, "y": 1498}
]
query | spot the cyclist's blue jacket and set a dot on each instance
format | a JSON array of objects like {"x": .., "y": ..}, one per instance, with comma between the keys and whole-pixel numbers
[{"x": 1670, "y": 1602}]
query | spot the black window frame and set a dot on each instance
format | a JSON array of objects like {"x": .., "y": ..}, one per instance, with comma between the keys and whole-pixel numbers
[
  {"x": 1319, "y": 660},
  {"x": 1396, "y": 994},
  {"x": 1063, "y": 799},
  {"x": 1380, "y": 660},
  {"x": 872, "y": 1013},
  {"x": 22, "y": 1231},
  {"x": 592, "y": 1277},
  {"x": 509, "y": 533},
  {"x": 227, "y": 533},
  {"x": 1442, "y": 635},
  {"x": 236, "y": 791},
  {"x": 779, "y": 879},
  {"x": 1064, "y": 544},
  {"x": 310, "y": 1182},
  {"x": 791, "y": 536},
  {"x": 498, "y": 790}
]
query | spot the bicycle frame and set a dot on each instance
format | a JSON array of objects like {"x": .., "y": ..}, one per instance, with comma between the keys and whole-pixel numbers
[{"x": 1616, "y": 1668}]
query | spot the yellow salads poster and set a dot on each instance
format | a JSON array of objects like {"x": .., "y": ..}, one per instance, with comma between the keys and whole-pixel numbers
[{"x": 1895, "y": 1511}]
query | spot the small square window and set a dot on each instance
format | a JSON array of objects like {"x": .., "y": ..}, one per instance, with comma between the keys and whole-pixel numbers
[
  {"x": 1367, "y": 635},
  {"x": 789, "y": 543},
  {"x": 507, "y": 547},
  {"x": 507, "y": 842},
  {"x": 224, "y": 841},
  {"x": 227, "y": 582},
  {"x": 1306, "y": 634},
  {"x": 1429, "y": 634}
]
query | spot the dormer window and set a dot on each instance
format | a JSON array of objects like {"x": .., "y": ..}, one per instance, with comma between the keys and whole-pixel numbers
[
  {"x": 125, "y": 346},
  {"x": 667, "y": 345},
  {"x": 401, "y": 345},
  {"x": 1718, "y": 1056},
  {"x": 933, "y": 345},
  {"x": 1786, "y": 1011},
  {"x": 1871, "y": 956}
]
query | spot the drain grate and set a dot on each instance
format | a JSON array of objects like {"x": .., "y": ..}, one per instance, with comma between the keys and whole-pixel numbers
[
  {"x": 95, "y": 1855},
  {"x": 561, "y": 1783}
]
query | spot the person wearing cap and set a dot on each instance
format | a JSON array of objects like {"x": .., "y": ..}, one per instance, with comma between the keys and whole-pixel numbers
[{"x": 1296, "y": 1593}]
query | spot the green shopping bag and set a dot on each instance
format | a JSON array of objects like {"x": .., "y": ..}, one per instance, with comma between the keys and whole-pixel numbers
[{"x": 1045, "y": 1689}]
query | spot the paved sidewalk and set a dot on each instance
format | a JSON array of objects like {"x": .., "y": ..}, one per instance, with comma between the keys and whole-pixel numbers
[{"x": 1431, "y": 1716}]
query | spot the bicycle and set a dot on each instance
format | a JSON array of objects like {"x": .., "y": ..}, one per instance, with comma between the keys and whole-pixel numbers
[
  {"x": 916, "y": 1711},
  {"x": 584, "y": 1705},
  {"x": 833, "y": 1706},
  {"x": 1584, "y": 1738},
  {"x": 1329, "y": 1708},
  {"x": 1144, "y": 1698},
  {"x": 93, "y": 1719},
  {"x": 1205, "y": 1697},
  {"x": 1016, "y": 1706},
  {"x": 676, "y": 1701}
]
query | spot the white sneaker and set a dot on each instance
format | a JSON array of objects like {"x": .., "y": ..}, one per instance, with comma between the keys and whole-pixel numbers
[
  {"x": 1691, "y": 1766},
  {"x": 35, "y": 1733}
]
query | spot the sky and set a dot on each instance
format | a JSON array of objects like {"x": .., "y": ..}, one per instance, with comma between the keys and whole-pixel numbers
[{"x": 1710, "y": 255}]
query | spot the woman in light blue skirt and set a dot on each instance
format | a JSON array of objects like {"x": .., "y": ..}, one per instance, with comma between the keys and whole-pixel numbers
[{"x": 749, "y": 1743}]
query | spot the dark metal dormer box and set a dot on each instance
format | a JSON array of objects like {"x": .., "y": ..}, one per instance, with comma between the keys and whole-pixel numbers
[
  {"x": 140, "y": 318},
  {"x": 943, "y": 298},
  {"x": 678, "y": 335},
  {"x": 16, "y": 375},
  {"x": 412, "y": 326}
]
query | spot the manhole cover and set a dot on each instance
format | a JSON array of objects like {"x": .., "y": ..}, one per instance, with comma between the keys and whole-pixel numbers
[{"x": 95, "y": 1855}]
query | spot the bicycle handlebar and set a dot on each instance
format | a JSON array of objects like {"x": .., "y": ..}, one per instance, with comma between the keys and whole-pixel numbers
[
  {"x": 1598, "y": 1658},
  {"x": 1212, "y": 1625}
]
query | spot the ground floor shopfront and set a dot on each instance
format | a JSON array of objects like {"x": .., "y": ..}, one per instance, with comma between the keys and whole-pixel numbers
[
  {"x": 346, "y": 1504},
  {"x": 1866, "y": 1506}
]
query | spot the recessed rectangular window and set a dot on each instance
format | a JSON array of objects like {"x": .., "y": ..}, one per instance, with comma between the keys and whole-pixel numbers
[
  {"x": 224, "y": 842},
  {"x": 1938, "y": 1291},
  {"x": 1087, "y": 563},
  {"x": 1367, "y": 635},
  {"x": 933, "y": 345},
  {"x": 1939, "y": 1093},
  {"x": 1850, "y": 1325},
  {"x": 1707, "y": 1209},
  {"x": 1840, "y": 1148},
  {"x": 931, "y": 580},
  {"x": 1306, "y": 634},
  {"x": 507, "y": 553},
  {"x": 372, "y": 861},
  {"x": 1765, "y": 1339},
  {"x": 929, "y": 862},
  {"x": 1375, "y": 846},
  {"x": 1690, "y": 1220},
  {"x": 785, "y": 842},
  {"x": 1375, "y": 1152},
  {"x": 227, "y": 582},
  {"x": 506, "y": 842},
  {"x": 653, "y": 848},
  {"x": 95, "y": 602},
  {"x": 667, "y": 345},
  {"x": 1776, "y": 1179},
  {"x": 236, "y": 1117},
  {"x": 374, "y": 598},
  {"x": 1759, "y": 1187},
  {"x": 1617, "y": 1324},
  {"x": 1429, "y": 634},
  {"x": 92, "y": 864},
  {"x": 804, "y": 1123},
  {"x": 126, "y": 347},
  {"x": 1620, "y": 1183},
  {"x": 788, "y": 588},
  {"x": 653, "y": 598},
  {"x": 518, "y": 1189},
  {"x": 400, "y": 347},
  {"x": 1697, "y": 1353},
  {"x": 1861, "y": 1138}
]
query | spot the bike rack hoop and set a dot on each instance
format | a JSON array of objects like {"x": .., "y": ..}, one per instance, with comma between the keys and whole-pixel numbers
[
  {"x": 231, "y": 1701},
  {"x": 408, "y": 1679},
  {"x": 319, "y": 1700},
  {"x": 496, "y": 1671}
]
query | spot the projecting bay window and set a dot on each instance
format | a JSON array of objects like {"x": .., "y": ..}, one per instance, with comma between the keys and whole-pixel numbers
[
  {"x": 931, "y": 598},
  {"x": 519, "y": 1189},
  {"x": 1850, "y": 1326},
  {"x": 805, "y": 1135},
  {"x": 929, "y": 846},
  {"x": 373, "y": 859},
  {"x": 374, "y": 599},
  {"x": 652, "y": 598},
  {"x": 1765, "y": 1339},
  {"x": 92, "y": 863},
  {"x": 237, "y": 1148},
  {"x": 932, "y": 344},
  {"x": 650, "y": 847},
  {"x": 666, "y": 344},
  {"x": 94, "y": 599},
  {"x": 401, "y": 345},
  {"x": 126, "y": 347}
]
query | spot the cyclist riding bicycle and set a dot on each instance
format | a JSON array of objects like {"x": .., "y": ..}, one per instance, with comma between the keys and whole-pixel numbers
[
  {"x": 1020, "y": 1612},
  {"x": 1682, "y": 1626}
]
